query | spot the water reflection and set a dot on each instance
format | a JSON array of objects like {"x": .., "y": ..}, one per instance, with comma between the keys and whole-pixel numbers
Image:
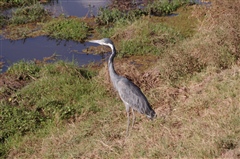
[
  {"x": 40, "y": 47},
  {"x": 79, "y": 8}
]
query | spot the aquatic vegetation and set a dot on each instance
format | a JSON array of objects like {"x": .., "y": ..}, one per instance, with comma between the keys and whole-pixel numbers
[
  {"x": 164, "y": 7},
  {"x": 14, "y": 3},
  {"x": 3, "y": 21},
  {"x": 67, "y": 28},
  {"x": 107, "y": 16},
  {"x": 33, "y": 13},
  {"x": 112, "y": 14}
]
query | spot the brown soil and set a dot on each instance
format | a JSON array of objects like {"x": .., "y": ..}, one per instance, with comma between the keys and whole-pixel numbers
[{"x": 9, "y": 84}]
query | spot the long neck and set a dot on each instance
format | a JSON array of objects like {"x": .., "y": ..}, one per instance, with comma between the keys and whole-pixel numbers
[{"x": 112, "y": 72}]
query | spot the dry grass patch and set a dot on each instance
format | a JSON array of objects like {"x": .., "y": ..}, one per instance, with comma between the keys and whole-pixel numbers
[
  {"x": 216, "y": 44},
  {"x": 203, "y": 116}
]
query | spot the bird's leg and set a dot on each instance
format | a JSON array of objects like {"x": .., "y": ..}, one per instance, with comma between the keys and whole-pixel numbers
[
  {"x": 128, "y": 122},
  {"x": 133, "y": 118}
]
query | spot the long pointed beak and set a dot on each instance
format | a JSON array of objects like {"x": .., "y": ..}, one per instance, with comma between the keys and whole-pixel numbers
[{"x": 96, "y": 41}]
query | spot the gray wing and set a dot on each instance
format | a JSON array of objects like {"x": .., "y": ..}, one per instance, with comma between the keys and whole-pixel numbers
[{"x": 132, "y": 95}]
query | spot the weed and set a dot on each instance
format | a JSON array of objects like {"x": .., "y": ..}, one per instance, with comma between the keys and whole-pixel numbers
[
  {"x": 160, "y": 8},
  {"x": 24, "y": 70},
  {"x": 106, "y": 16},
  {"x": 113, "y": 13},
  {"x": 29, "y": 14},
  {"x": 14, "y": 3},
  {"x": 63, "y": 28},
  {"x": 3, "y": 20}
]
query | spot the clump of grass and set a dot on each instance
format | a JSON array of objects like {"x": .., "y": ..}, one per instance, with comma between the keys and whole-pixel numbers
[
  {"x": 69, "y": 29},
  {"x": 33, "y": 13},
  {"x": 164, "y": 7},
  {"x": 14, "y": 3},
  {"x": 113, "y": 13},
  {"x": 3, "y": 20},
  {"x": 24, "y": 70},
  {"x": 106, "y": 15}
]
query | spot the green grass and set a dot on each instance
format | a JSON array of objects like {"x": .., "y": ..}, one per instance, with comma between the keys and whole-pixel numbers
[
  {"x": 56, "y": 92},
  {"x": 153, "y": 39},
  {"x": 14, "y": 3},
  {"x": 69, "y": 29},
  {"x": 164, "y": 7},
  {"x": 109, "y": 14},
  {"x": 33, "y": 13},
  {"x": 3, "y": 20}
]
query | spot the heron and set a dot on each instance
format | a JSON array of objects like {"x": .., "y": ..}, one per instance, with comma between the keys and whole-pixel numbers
[{"x": 130, "y": 94}]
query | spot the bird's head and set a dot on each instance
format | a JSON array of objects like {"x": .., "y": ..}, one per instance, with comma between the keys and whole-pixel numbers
[
  {"x": 104, "y": 41},
  {"x": 151, "y": 115}
]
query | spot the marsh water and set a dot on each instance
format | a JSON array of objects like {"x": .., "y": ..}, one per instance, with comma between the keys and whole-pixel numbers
[
  {"x": 39, "y": 47},
  {"x": 79, "y": 8}
]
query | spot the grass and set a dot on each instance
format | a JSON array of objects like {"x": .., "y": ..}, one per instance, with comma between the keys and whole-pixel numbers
[
  {"x": 14, "y": 3},
  {"x": 51, "y": 103},
  {"x": 33, "y": 13},
  {"x": 154, "y": 39},
  {"x": 2, "y": 20},
  {"x": 197, "y": 126},
  {"x": 69, "y": 112},
  {"x": 117, "y": 11},
  {"x": 69, "y": 29}
]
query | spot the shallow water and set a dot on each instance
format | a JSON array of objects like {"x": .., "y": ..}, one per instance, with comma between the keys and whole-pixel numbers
[
  {"x": 40, "y": 47},
  {"x": 79, "y": 8}
]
